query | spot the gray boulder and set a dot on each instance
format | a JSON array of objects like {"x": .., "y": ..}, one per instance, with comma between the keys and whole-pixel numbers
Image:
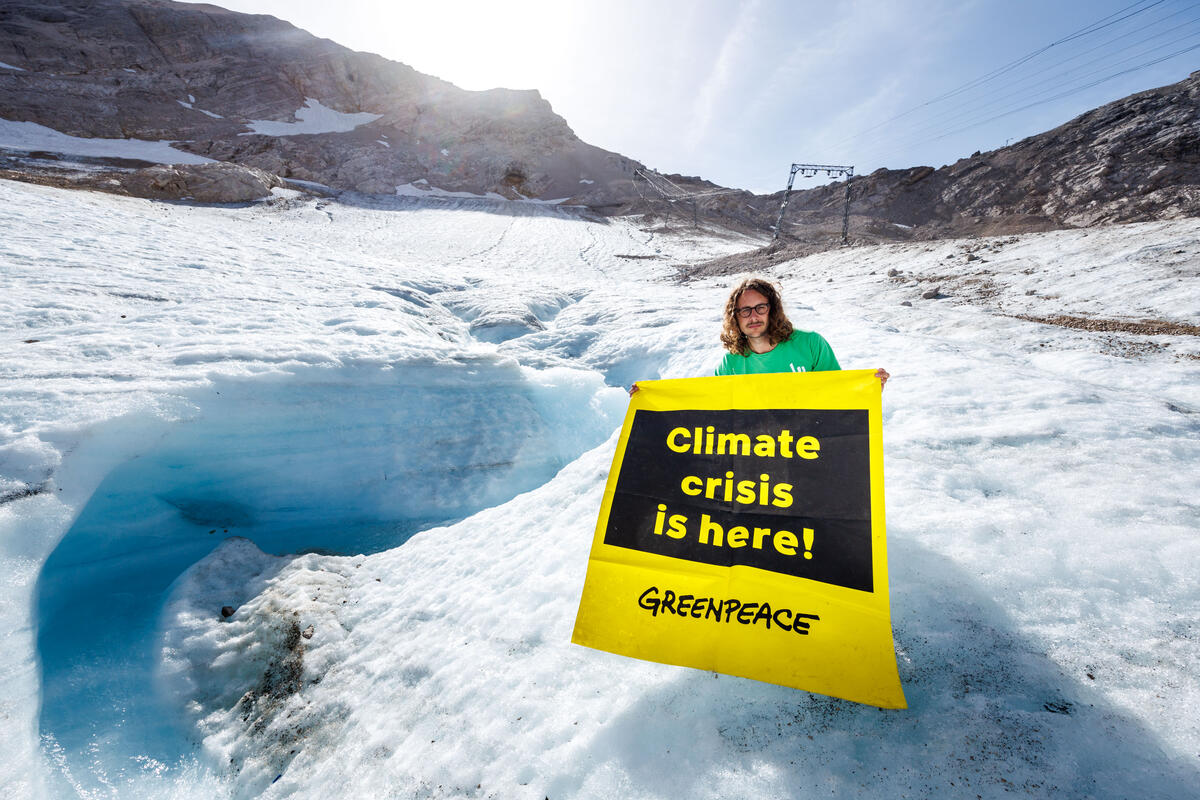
[{"x": 205, "y": 183}]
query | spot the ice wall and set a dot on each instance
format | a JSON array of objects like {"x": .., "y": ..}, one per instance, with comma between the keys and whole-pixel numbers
[{"x": 345, "y": 461}]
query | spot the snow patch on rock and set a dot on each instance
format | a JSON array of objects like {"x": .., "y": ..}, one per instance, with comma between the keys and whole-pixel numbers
[
  {"x": 31, "y": 136},
  {"x": 313, "y": 117}
]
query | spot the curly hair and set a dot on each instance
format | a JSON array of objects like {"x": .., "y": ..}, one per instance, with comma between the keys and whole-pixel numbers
[{"x": 778, "y": 325}]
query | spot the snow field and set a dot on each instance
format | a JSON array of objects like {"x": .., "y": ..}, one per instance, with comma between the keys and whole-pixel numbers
[
  {"x": 1040, "y": 500},
  {"x": 28, "y": 136},
  {"x": 144, "y": 329},
  {"x": 311, "y": 118},
  {"x": 1045, "y": 470}
]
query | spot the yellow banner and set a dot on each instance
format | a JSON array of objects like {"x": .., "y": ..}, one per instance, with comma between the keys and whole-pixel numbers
[{"x": 742, "y": 531}]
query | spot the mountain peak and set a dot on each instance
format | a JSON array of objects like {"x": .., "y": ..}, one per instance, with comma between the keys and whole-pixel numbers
[{"x": 203, "y": 77}]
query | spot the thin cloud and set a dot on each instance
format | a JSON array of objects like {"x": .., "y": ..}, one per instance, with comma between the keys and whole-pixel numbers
[{"x": 720, "y": 77}]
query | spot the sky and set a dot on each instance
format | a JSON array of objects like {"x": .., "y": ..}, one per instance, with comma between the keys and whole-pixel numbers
[{"x": 737, "y": 92}]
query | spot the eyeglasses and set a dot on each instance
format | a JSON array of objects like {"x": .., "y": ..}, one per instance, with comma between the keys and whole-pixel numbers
[{"x": 746, "y": 311}]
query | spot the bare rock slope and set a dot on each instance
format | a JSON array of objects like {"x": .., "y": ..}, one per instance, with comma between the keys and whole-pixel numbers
[
  {"x": 204, "y": 183},
  {"x": 247, "y": 89},
  {"x": 201, "y": 76},
  {"x": 1135, "y": 159}
]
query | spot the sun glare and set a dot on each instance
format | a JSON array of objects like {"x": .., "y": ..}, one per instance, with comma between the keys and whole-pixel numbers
[{"x": 475, "y": 44}]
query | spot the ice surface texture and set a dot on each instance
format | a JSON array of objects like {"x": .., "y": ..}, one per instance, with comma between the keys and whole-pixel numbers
[
  {"x": 302, "y": 375},
  {"x": 343, "y": 461}
]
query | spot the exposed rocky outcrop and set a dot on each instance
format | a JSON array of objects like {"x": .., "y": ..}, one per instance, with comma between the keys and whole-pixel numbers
[{"x": 204, "y": 183}]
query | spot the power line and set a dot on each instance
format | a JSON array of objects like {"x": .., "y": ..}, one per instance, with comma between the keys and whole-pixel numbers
[
  {"x": 1067, "y": 93},
  {"x": 986, "y": 109},
  {"x": 672, "y": 192},
  {"x": 980, "y": 105},
  {"x": 1028, "y": 82},
  {"x": 1085, "y": 31}
]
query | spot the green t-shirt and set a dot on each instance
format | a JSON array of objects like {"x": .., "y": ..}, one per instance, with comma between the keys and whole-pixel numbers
[{"x": 803, "y": 351}]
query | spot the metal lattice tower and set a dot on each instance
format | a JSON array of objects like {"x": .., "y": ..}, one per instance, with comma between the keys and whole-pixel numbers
[
  {"x": 809, "y": 171},
  {"x": 674, "y": 193}
]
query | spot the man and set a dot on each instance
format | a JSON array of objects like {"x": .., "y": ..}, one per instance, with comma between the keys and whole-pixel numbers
[{"x": 759, "y": 337}]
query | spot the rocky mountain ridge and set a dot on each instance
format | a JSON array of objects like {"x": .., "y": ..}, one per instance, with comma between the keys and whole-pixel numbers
[
  {"x": 244, "y": 89},
  {"x": 1135, "y": 159},
  {"x": 1131, "y": 160},
  {"x": 202, "y": 76}
]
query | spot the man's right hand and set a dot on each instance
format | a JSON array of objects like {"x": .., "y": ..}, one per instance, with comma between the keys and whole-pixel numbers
[{"x": 633, "y": 389}]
